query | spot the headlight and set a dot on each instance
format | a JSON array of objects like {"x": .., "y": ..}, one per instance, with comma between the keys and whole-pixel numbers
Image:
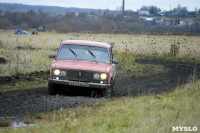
[
  {"x": 63, "y": 73},
  {"x": 56, "y": 72},
  {"x": 96, "y": 76},
  {"x": 103, "y": 76}
]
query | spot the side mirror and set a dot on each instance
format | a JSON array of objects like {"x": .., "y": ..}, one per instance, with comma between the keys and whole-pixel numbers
[
  {"x": 115, "y": 61},
  {"x": 52, "y": 56}
]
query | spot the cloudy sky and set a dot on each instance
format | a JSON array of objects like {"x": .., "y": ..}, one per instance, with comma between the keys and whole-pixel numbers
[{"x": 111, "y": 4}]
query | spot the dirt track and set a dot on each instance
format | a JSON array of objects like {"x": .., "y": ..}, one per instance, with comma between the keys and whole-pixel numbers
[
  {"x": 179, "y": 73},
  {"x": 19, "y": 104}
]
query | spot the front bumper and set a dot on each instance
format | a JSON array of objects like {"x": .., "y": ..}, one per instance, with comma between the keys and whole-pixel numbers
[{"x": 81, "y": 84}]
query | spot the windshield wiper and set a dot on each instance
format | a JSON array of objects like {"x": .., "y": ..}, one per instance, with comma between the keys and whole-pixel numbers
[
  {"x": 94, "y": 57},
  {"x": 75, "y": 55}
]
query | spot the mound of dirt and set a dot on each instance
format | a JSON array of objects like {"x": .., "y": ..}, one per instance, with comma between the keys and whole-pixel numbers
[
  {"x": 24, "y": 77},
  {"x": 20, "y": 48},
  {"x": 24, "y": 48}
]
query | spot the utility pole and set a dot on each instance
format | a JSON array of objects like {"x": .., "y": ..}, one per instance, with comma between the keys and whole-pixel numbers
[{"x": 123, "y": 6}]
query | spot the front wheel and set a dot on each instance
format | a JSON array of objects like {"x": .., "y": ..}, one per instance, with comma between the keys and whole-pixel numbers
[
  {"x": 51, "y": 89},
  {"x": 108, "y": 91}
]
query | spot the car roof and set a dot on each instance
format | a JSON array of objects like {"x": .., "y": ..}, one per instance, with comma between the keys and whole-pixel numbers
[{"x": 84, "y": 42}]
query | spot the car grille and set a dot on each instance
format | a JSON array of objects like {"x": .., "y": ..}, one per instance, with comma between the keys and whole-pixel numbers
[
  {"x": 78, "y": 75},
  {"x": 84, "y": 76}
]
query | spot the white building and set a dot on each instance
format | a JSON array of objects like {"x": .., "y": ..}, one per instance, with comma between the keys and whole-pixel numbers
[{"x": 144, "y": 13}]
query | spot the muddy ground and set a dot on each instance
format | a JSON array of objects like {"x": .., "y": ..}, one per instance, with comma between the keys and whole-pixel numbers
[{"x": 19, "y": 104}]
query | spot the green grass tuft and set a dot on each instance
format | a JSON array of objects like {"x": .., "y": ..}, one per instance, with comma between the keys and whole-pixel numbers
[
  {"x": 128, "y": 68},
  {"x": 24, "y": 85},
  {"x": 38, "y": 116}
]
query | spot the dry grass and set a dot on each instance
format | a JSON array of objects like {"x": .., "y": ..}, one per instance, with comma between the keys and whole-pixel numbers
[
  {"x": 141, "y": 114},
  {"x": 32, "y": 60}
]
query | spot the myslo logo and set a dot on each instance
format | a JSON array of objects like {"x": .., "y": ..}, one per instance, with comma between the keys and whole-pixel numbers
[{"x": 182, "y": 128}]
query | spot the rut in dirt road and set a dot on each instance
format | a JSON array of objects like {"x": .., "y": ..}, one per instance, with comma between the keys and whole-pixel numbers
[{"x": 179, "y": 73}]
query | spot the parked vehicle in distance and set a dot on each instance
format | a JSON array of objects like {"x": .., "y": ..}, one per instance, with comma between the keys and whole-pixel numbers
[
  {"x": 41, "y": 28},
  {"x": 21, "y": 32},
  {"x": 86, "y": 64}
]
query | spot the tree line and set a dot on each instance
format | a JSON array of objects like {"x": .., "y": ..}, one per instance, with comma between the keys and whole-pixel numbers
[{"x": 107, "y": 22}]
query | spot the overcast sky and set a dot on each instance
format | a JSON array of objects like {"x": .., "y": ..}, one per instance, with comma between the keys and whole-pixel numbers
[{"x": 111, "y": 4}]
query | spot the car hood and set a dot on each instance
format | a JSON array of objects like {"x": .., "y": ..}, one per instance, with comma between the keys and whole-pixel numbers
[{"x": 82, "y": 65}]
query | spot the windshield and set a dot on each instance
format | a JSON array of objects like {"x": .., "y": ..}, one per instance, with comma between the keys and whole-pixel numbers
[{"x": 83, "y": 53}]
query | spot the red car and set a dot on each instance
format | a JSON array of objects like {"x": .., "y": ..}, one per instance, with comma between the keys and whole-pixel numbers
[{"x": 83, "y": 63}]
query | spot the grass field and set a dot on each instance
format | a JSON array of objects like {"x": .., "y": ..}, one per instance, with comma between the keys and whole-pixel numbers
[
  {"x": 153, "y": 113},
  {"x": 24, "y": 61}
]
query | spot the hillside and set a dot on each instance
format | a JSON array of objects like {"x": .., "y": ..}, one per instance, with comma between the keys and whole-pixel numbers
[{"x": 37, "y": 8}]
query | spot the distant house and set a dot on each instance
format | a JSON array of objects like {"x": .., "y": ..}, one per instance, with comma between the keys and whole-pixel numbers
[
  {"x": 175, "y": 13},
  {"x": 161, "y": 13},
  {"x": 149, "y": 19},
  {"x": 144, "y": 13},
  {"x": 159, "y": 21},
  {"x": 191, "y": 23},
  {"x": 77, "y": 14},
  {"x": 183, "y": 23},
  {"x": 167, "y": 23}
]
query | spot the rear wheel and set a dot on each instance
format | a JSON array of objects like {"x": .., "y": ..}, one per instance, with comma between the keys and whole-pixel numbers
[{"x": 51, "y": 89}]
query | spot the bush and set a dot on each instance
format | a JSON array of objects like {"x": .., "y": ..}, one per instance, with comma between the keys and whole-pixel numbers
[
  {"x": 63, "y": 29},
  {"x": 38, "y": 116},
  {"x": 126, "y": 62},
  {"x": 4, "y": 23},
  {"x": 174, "y": 49},
  {"x": 5, "y": 123}
]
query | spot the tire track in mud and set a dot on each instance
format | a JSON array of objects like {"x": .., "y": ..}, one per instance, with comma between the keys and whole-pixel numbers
[
  {"x": 179, "y": 73},
  {"x": 18, "y": 104}
]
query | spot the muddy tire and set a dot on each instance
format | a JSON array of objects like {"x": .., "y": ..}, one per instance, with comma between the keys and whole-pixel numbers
[
  {"x": 108, "y": 91},
  {"x": 51, "y": 89},
  {"x": 96, "y": 93}
]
